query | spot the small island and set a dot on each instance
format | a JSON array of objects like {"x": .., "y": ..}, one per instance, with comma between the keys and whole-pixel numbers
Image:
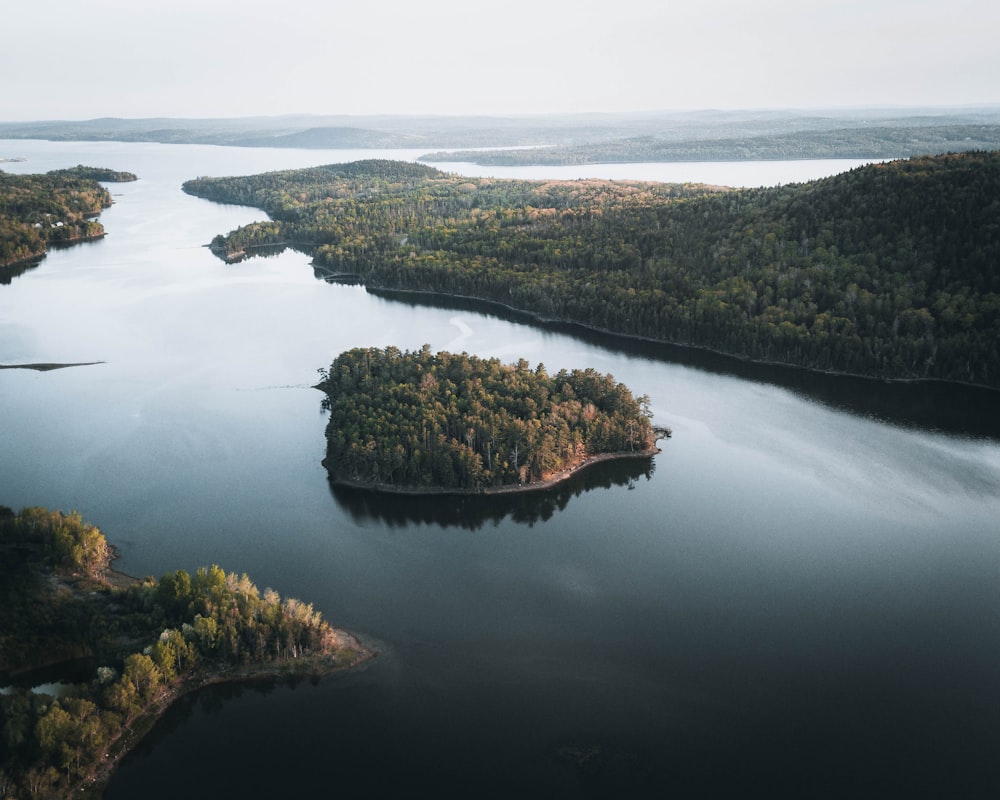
[
  {"x": 103, "y": 174},
  {"x": 423, "y": 422},
  {"x": 141, "y": 644}
]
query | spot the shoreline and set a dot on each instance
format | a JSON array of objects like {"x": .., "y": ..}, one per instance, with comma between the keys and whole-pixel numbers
[
  {"x": 341, "y": 650},
  {"x": 27, "y": 261},
  {"x": 547, "y": 482},
  {"x": 312, "y": 666},
  {"x": 553, "y": 323},
  {"x": 37, "y": 258}
]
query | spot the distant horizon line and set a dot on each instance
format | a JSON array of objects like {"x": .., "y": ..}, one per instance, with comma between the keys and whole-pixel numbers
[{"x": 994, "y": 105}]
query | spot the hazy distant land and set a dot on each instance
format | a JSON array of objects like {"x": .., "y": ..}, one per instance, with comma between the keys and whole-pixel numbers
[{"x": 573, "y": 138}]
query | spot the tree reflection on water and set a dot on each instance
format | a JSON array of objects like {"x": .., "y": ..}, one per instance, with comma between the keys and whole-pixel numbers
[{"x": 473, "y": 512}]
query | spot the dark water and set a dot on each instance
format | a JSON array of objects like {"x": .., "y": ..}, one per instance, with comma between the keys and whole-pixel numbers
[{"x": 799, "y": 597}]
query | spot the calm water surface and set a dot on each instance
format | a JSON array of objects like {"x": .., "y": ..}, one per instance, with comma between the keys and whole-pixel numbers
[{"x": 799, "y": 597}]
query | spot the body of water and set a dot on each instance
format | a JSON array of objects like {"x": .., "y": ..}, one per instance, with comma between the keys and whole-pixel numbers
[{"x": 797, "y": 598}]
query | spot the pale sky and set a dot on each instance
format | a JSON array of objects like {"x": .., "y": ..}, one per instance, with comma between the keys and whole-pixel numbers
[{"x": 81, "y": 59}]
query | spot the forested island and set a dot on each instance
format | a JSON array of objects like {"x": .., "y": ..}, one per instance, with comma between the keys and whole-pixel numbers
[
  {"x": 147, "y": 642},
  {"x": 888, "y": 271},
  {"x": 56, "y": 208},
  {"x": 431, "y": 422}
]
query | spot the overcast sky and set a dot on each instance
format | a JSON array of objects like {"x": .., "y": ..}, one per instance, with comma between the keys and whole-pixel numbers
[{"x": 80, "y": 59}]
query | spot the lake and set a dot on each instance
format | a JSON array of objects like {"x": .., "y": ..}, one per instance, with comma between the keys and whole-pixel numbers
[{"x": 797, "y": 598}]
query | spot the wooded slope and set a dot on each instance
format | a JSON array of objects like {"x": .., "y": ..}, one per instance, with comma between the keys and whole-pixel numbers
[{"x": 890, "y": 270}]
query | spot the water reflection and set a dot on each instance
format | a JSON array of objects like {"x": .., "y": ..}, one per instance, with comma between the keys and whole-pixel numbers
[
  {"x": 59, "y": 680},
  {"x": 11, "y": 271},
  {"x": 925, "y": 405},
  {"x": 263, "y": 251},
  {"x": 473, "y": 512},
  {"x": 209, "y": 702}
]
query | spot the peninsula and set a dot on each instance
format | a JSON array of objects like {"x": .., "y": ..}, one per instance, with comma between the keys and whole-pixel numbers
[
  {"x": 146, "y": 642},
  {"x": 887, "y": 271},
  {"x": 423, "y": 422},
  {"x": 57, "y": 208}
]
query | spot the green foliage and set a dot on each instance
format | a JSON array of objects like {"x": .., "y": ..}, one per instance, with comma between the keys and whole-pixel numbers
[
  {"x": 889, "y": 270},
  {"x": 422, "y": 419},
  {"x": 152, "y": 637},
  {"x": 58, "y": 539},
  {"x": 70, "y": 731},
  {"x": 55, "y": 208}
]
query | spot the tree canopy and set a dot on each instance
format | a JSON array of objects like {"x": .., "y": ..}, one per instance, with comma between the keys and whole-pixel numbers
[
  {"x": 418, "y": 419},
  {"x": 890, "y": 270},
  {"x": 37, "y": 211},
  {"x": 151, "y": 639}
]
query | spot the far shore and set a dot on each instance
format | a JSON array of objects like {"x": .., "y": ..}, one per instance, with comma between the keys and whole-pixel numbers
[{"x": 547, "y": 482}]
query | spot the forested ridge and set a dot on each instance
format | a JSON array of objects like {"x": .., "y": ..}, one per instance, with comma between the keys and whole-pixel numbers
[
  {"x": 150, "y": 640},
  {"x": 37, "y": 211},
  {"x": 423, "y": 420},
  {"x": 890, "y": 270}
]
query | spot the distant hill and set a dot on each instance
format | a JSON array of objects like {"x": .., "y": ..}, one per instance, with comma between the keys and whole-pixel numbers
[
  {"x": 345, "y": 138},
  {"x": 572, "y": 138}
]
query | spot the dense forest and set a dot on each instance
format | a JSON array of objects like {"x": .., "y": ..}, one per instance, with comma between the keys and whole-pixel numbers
[
  {"x": 423, "y": 420},
  {"x": 148, "y": 640},
  {"x": 39, "y": 211},
  {"x": 890, "y": 270}
]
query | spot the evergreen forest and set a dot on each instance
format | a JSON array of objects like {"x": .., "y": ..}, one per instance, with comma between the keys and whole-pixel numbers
[
  {"x": 148, "y": 642},
  {"x": 441, "y": 421},
  {"x": 40, "y": 211},
  {"x": 890, "y": 270}
]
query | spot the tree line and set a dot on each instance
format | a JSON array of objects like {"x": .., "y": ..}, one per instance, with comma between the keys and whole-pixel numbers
[
  {"x": 151, "y": 638},
  {"x": 889, "y": 270},
  {"x": 38, "y": 211},
  {"x": 881, "y": 141},
  {"x": 419, "y": 419}
]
